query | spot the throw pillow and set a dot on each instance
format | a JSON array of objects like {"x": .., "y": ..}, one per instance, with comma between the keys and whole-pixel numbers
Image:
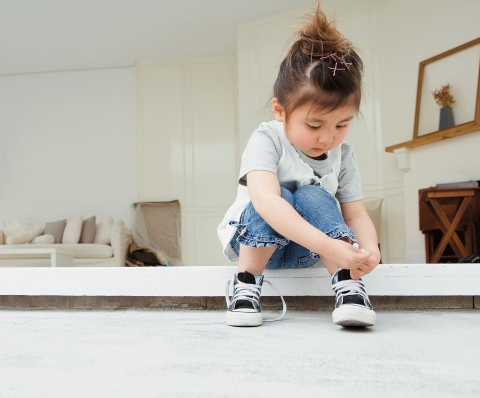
[
  {"x": 72, "y": 231},
  {"x": 88, "y": 230},
  {"x": 11, "y": 228},
  {"x": 104, "y": 230},
  {"x": 120, "y": 223},
  {"x": 56, "y": 229},
  {"x": 24, "y": 237},
  {"x": 44, "y": 239}
]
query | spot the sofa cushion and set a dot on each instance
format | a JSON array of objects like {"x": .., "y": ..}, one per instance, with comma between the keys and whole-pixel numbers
[
  {"x": 88, "y": 230},
  {"x": 78, "y": 251},
  {"x": 89, "y": 250},
  {"x": 72, "y": 231},
  {"x": 24, "y": 237},
  {"x": 56, "y": 229},
  {"x": 104, "y": 231},
  {"x": 43, "y": 239}
]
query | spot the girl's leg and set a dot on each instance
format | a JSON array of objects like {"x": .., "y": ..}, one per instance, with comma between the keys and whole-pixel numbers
[
  {"x": 254, "y": 259},
  {"x": 257, "y": 245},
  {"x": 320, "y": 209},
  {"x": 352, "y": 305},
  {"x": 256, "y": 242}
]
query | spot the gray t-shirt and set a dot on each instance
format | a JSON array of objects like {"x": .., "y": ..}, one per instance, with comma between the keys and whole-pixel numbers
[{"x": 264, "y": 150}]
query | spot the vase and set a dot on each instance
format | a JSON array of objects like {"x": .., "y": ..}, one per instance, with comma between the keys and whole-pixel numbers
[{"x": 446, "y": 118}]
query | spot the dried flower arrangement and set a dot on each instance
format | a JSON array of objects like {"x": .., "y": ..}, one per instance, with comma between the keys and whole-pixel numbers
[{"x": 443, "y": 97}]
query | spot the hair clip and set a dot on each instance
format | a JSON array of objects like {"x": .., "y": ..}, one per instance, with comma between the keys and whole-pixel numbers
[{"x": 337, "y": 60}]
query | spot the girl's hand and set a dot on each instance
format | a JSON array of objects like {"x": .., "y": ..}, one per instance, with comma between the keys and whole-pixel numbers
[
  {"x": 356, "y": 217},
  {"x": 367, "y": 267},
  {"x": 343, "y": 255}
]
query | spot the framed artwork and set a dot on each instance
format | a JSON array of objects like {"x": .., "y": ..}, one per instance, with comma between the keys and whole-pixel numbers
[{"x": 459, "y": 68}]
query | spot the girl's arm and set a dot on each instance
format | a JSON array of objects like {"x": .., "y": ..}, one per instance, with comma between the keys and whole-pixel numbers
[
  {"x": 357, "y": 218},
  {"x": 264, "y": 191}
]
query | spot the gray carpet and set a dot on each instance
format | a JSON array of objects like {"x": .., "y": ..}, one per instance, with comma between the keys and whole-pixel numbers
[{"x": 155, "y": 353}]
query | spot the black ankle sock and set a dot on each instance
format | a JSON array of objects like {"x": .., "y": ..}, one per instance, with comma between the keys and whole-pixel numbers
[
  {"x": 344, "y": 275},
  {"x": 247, "y": 277}
]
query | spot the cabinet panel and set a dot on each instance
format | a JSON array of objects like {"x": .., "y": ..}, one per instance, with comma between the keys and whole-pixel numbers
[
  {"x": 213, "y": 133},
  {"x": 161, "y": 134},
  {"x": 208, "y": 250},
  {"x": 187, "y": 146},
  {"x": 396, "y": 227}
]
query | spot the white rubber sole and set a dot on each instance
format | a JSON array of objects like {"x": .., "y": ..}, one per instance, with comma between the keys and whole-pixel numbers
[
  {"x": 237, "y": 318},
  {"x": 354, "y": 316}
]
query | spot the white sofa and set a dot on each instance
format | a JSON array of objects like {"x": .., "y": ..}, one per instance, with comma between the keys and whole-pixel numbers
[{"x": 109, "y": 254}]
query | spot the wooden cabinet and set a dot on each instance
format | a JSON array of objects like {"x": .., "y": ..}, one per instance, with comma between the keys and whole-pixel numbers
[{"x": 450, "y": 221}]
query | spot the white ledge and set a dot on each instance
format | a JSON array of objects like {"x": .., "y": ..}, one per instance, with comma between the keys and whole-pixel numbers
[
  {"x": 403, "y": 158},
  {"x": 385, "y": 280}
]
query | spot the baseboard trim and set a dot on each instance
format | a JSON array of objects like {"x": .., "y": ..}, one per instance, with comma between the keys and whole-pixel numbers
[{"x": 299, "y": 303}]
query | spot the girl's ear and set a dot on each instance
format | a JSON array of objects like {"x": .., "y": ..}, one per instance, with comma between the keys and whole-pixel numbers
[{"x": 278, "y": 111}]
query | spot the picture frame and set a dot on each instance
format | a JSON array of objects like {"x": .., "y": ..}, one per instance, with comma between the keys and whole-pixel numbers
[{"x": 460, "y": 68}]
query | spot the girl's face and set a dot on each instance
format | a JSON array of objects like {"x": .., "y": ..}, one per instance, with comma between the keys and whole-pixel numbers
[{"x": 315, "y": 133}]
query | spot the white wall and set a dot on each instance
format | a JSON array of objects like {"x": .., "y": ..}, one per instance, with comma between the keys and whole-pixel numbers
[
  {"x": 406, "y": 33},
  {"x": 68, "y": 145}
]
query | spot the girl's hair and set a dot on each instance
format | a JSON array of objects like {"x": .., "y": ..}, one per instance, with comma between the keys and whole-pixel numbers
[{"x": 321, "y": 68}]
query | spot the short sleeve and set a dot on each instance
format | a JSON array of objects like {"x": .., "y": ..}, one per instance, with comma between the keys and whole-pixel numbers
[
  {"x": 349, "y": 181},
  {"x": 263, "y": 152}
]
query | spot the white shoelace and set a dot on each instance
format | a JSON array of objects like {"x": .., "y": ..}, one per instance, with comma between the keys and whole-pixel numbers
[
  {"x": 349, "y": 287},
  {"x": 251, "y": 292},
  {"x": 248, "y": 292},
  {"x": 243, "y": 291}
]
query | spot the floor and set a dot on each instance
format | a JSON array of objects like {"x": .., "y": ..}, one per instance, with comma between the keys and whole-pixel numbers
[{"x": 167, "y": 353}]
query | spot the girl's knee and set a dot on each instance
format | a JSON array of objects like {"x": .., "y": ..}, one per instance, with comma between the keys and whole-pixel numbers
[
  {"x": 311, "y": 196},
  {"x": 308, "y": 190}
]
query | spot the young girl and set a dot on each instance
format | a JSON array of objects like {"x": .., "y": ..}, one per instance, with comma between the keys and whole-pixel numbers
[{"x": 293, "y": 168}]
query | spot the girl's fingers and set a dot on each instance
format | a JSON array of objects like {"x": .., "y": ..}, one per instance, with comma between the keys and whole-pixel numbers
[
  {"x": 362, "y": 256},
  {"x": 356, "y": 274}
]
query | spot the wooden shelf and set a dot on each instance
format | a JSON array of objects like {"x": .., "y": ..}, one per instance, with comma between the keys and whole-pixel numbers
[{"x": 451, "y": 132}]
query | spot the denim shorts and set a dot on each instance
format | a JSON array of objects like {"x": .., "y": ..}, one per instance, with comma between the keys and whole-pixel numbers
[{"x": 315, "y": 205}]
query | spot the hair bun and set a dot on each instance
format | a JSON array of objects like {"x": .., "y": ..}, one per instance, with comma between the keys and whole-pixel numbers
[
  {"x": 319, "y": 37},
  {"x": 321, "y": 69}
]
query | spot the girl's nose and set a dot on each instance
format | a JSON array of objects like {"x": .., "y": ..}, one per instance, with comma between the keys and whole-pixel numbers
[{"x": 326, "y": 138}]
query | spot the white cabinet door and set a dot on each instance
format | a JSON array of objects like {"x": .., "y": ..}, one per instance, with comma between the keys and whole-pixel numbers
[{"x": 187, "y": 139}]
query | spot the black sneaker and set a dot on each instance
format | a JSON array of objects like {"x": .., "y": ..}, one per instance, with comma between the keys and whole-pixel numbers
[
  {"x": 245, "y": 308},
  {"x": 352, "y": 307}
]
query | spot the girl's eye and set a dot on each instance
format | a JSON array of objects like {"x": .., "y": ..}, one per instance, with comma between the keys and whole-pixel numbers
[
  {"x": 313, "y": 127},
  {"x": 341, "y": 127}
]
